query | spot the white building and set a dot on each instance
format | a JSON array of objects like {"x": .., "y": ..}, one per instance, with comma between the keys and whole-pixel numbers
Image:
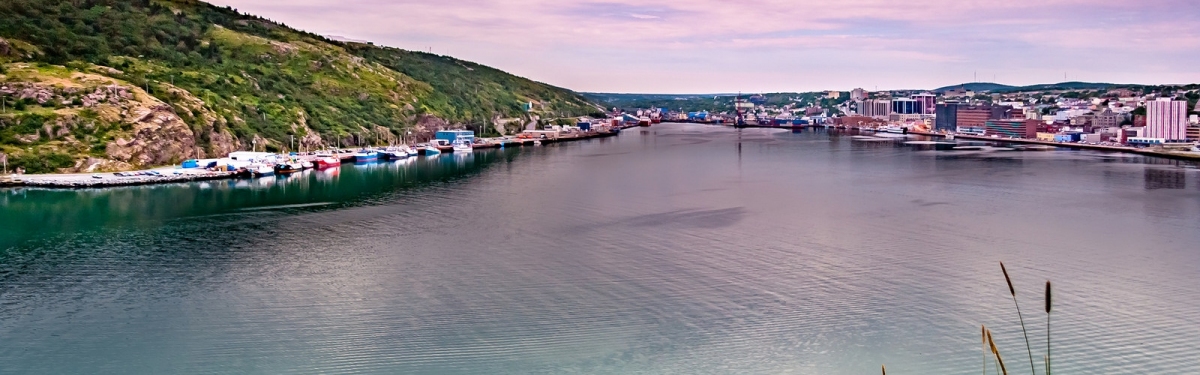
[{"x": 1166, "y": 119}]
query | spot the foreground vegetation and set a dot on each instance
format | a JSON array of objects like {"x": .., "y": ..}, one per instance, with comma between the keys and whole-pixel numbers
[{"x": 112, "y": 84}]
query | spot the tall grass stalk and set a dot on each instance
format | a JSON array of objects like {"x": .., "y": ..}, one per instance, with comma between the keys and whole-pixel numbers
[
  {"x": 996, "y": 352},
  {"x": 1013, "y": 291},
  {"x": 983, "y": 335},
  {"x": 1048, "y": 305}
]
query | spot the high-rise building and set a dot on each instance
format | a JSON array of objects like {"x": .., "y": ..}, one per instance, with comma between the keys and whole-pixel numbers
[
  {"x": 1166, "y": 119},
  {"x": 907, "y": 107},
  {"x": 946, "y": 116},
  {"x": 928, "y": 102},
  {"x": 878, "y": 108}
]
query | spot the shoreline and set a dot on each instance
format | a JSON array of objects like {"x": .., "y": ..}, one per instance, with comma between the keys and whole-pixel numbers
[
  {"x": 1190, "y": 156},
  {"x": 71, "y": 181}
]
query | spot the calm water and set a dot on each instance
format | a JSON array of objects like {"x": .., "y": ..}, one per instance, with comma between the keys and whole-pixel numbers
[{"x": 680, "y": 249}]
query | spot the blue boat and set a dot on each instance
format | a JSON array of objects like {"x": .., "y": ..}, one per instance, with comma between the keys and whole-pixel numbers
[{"x": 366, "y": 156}]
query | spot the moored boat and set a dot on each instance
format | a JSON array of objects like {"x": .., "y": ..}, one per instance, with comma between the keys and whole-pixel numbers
[
  {"x": 327, "y": 161},
  {"x": 366, "y": 156},
  {"x": 462, "y": 147},
  {"x": 263, "y": 171},
  {"x": 290, "y": 167}
]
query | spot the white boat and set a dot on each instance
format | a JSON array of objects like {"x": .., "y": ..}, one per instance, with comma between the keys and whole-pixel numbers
[
  {"x": 409, "y": 150},
  {"x": 895, "y": 129},
  {"x": 462, "y": 147},
  {"x": 263, "y": 170}
]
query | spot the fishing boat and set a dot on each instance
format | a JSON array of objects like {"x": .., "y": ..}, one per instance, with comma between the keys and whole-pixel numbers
[
  {"x": 263, "y": 171},
  {"x": 431, "y": 150},
  {"x": 411, "y": 152},
  {"x": 327, "y": 161},
  {"x": 307, "y": 164},
  {"x": 394, "y": 153},
  {"x": 286, "y": 168},
  {"x": 366, "y": 156},
  {"x": 462, "y": 147}
]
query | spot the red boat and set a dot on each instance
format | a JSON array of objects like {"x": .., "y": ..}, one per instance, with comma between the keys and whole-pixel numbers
[{"x": 328, "y": 162}]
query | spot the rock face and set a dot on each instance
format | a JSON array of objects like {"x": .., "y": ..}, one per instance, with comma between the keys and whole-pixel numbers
[{"x": 159, "y": 137}]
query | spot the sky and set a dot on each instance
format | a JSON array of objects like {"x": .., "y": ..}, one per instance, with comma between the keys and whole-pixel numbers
[{"x": 721, "y": 46}]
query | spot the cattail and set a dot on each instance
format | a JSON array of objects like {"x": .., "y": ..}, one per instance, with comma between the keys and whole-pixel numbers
[
  {"x": 996, "y": 352},
  {"x": 1048, "y": 305},
  {"x": 1013, "y": 291},
  {"x": 983, "y": 336}
]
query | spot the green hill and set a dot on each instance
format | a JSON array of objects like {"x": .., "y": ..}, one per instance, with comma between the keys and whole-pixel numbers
[{"x": 117, "y": 84}]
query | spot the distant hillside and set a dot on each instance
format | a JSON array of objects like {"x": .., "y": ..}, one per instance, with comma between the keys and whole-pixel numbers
[
  {"x": 975, "y": 86},
  {"x": 117, "y": 84},
  {"x": 996, "y": 87}
]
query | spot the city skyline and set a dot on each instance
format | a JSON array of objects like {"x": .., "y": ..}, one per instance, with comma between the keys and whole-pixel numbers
[{"x": 708, "y": 46}]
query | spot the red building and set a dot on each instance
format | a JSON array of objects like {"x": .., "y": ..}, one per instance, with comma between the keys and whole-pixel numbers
[{"x": 1015, "y": 128}]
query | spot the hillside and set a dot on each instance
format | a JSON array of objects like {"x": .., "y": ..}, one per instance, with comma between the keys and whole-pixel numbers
[
  {"x": 117, "y": 84},
  {"x": 996, "y": 87}
]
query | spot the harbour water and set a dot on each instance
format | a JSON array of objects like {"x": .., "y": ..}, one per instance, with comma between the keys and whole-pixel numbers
[{"x": 675, "y": 249}]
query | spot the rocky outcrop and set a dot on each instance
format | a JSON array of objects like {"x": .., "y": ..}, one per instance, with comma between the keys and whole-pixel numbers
[{"x": 159, "y": 137}]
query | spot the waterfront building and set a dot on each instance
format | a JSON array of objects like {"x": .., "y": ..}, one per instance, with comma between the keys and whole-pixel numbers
[
  {"x": 1015, "y": 128},
  {"x": 1048, "y": 137},
  {"x": 1193, "y": 133},
  {"x": 946, "y": 116},
  {"x": 907, "y": 107},
  {"x": 877, "y": 108},
  {"x": 1166, "y": 119},
  {"x": 928, "y": 102},
  {"x": 452, "y": 136}
]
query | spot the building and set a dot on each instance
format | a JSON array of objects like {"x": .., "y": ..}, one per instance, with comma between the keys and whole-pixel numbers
[
  {"x": 907, "y": 107},
  {"x": 946, "y": 116},
  {"x": 834, "y": 94},
  {"x": 452, "y": 136},
  {"x": 858, "y": 94},
  {"x": 1106, "y": 119},
  {"x": 1193, "y": 133},
  {"x": 1166, "y": 119},
  {"x": 1048, "y": 137},
  {"x": 878, "y": 108},
  {"x": 928, "y": 102},
  {"x": 1014, "y": 128}
]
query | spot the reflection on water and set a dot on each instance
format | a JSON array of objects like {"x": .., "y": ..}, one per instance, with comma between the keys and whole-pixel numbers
[{"x": 680, "y": 249}]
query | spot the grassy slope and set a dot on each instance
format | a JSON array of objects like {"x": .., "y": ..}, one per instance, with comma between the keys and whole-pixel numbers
[{"x": 256, "y": 79}]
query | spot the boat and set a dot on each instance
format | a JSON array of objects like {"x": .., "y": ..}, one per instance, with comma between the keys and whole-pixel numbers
[
  {"x": 263, "y": 170},
  {"x": 327, "y": 161},
  {"x": 895, "y": 129},
  {"x": 409, "y": 150},
  {"x": 643, "y": 121},
  {"x": 462, "y": 147},
  {"x": 431, "y": 150},
  {"x": 393, "y": 153},
  {"x": 366, "y": 156},
  {"x": 306, "y": 164},
  {"x": 949, "y": 136},
  {"x": 285, "y": 168}
]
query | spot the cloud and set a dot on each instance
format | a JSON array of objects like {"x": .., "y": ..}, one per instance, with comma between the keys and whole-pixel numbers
[{"x": 749, "y": 45}]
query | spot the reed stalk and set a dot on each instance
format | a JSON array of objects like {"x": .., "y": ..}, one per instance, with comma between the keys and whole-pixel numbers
[
  {"x": 996, "y": 352},
  {"x": 1048, "y": 305},
  {"x": 983, "y": 335},
  {"x": 1013, "y": 291}
]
